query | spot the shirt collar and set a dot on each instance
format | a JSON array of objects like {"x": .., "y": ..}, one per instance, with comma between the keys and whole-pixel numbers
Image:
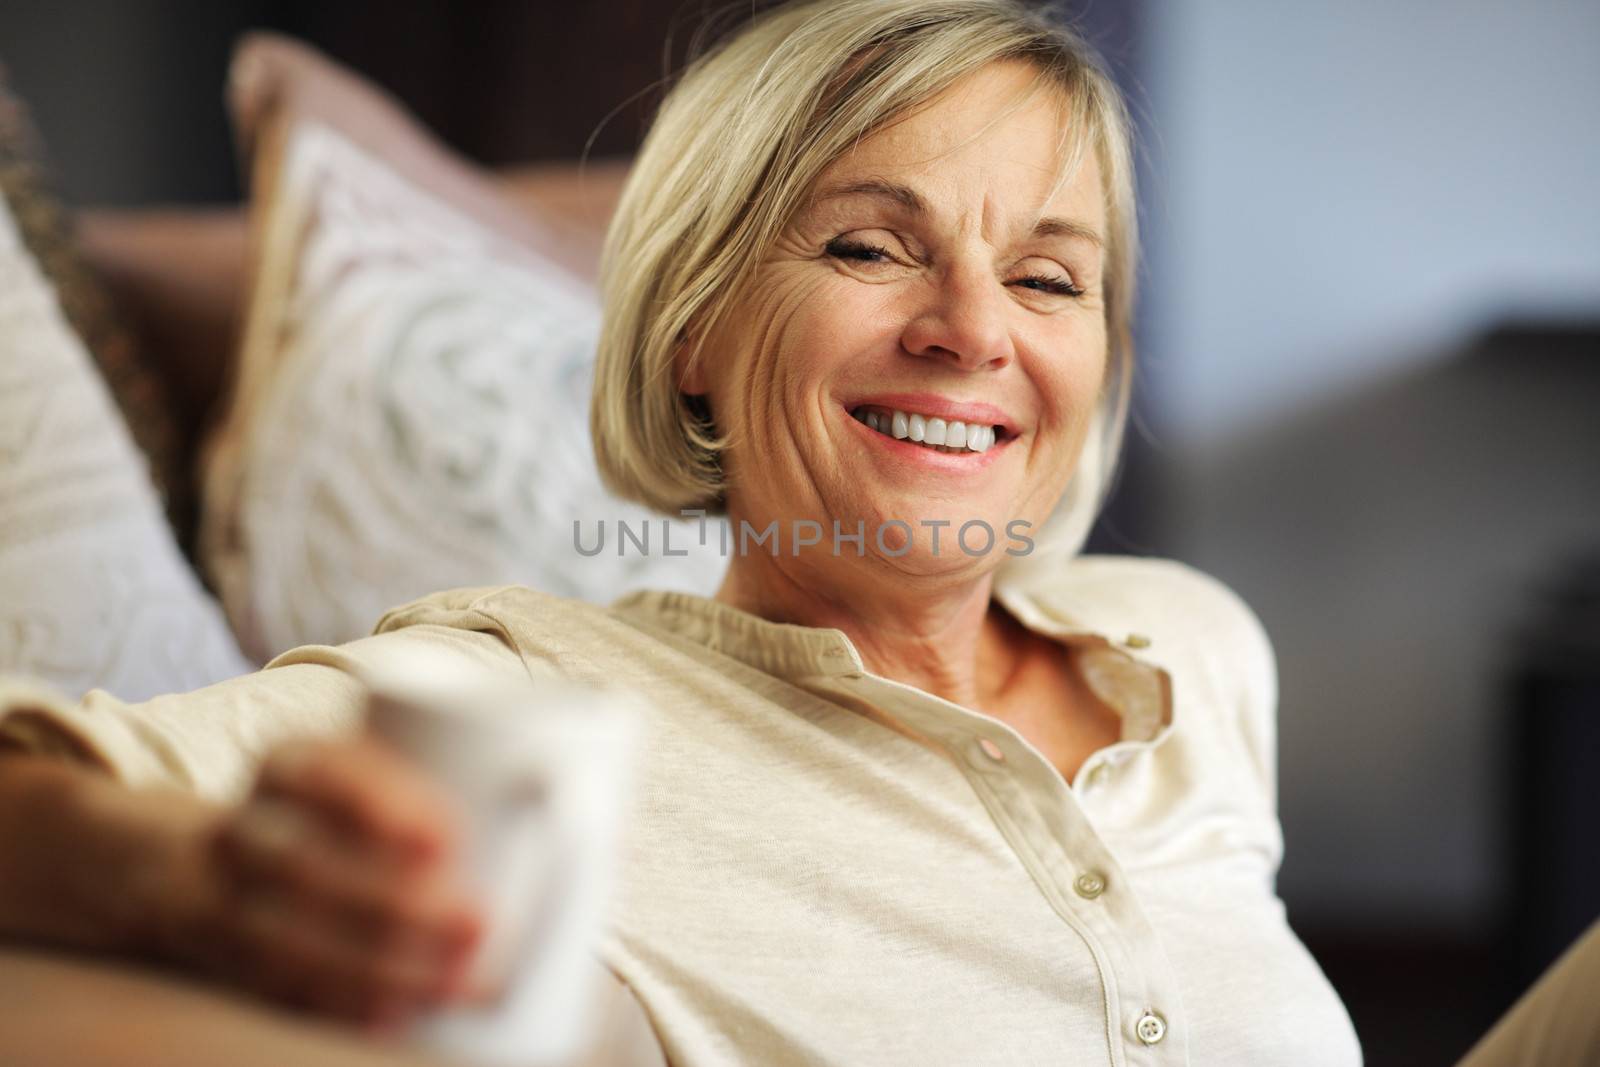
[
  {"x": 791, "y": 651},
  {"x": 1140, "y": 691},
  {"x": 782, "y": 649}
]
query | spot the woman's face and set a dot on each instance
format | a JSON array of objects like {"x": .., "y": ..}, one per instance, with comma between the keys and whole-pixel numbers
[{"x": 932, "y": 280}]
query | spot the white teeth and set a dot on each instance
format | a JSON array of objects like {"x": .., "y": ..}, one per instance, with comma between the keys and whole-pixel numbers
[{"x": 953, "y": 436}]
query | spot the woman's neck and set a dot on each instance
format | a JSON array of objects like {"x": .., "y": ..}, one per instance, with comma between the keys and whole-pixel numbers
[{"x": 940, "y": 637}]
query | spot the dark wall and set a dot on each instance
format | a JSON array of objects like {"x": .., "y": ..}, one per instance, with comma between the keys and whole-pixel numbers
[{"x": 129, "y": 96}]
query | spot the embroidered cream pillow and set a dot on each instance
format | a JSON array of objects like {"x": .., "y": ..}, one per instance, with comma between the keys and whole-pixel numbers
[{"x": 410, "y": 414}]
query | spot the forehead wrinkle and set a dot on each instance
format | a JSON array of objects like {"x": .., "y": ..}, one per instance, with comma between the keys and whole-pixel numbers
[
  {"x": 904, "y": 196},
  {"x": 999, "y": 227},
  {"x": 992, "y": 219}
]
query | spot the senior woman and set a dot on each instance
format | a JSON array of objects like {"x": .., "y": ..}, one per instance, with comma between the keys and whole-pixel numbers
[{"x": 907, "y": 801}]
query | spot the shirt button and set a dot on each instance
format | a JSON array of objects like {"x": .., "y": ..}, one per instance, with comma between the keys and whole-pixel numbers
[
  {"x": 1136, "y": 641},
  {"x": 1151, "y": 1028},
  {"x": 1090, "y": 884},
  {"x": 992, "y": 750}
]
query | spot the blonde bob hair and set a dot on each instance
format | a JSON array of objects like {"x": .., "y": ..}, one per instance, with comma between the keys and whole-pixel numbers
[{"x": 730, "y": 160}]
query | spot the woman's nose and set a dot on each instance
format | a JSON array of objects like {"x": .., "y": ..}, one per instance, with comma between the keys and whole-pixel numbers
[{"x": 963, "y": 321}]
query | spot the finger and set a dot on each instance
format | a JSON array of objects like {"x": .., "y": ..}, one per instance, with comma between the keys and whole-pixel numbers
[
  {"x": 369, "y": 791},
  {"x": 295, "y": 956},
  {"x": 273, "y": 943},
  {"x": 365, "y": 789},
  {"x": 275, "y": 847}
]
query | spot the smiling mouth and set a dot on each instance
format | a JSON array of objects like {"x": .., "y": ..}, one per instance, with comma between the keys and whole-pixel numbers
[{"x": 940, "y": 435}]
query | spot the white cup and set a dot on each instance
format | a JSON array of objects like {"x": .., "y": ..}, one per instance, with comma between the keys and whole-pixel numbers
[{"x": 542, "y": 772}]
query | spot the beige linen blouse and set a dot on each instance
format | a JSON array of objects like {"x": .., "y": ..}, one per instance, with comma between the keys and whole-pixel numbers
[{"x": 825, "y": 866}]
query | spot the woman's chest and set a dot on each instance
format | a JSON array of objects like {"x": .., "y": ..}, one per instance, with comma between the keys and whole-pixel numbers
[
  {"x": 1049, "y": 703},
  {"x": 857, "y": 938},
  {"x": 807, "y": 889}
]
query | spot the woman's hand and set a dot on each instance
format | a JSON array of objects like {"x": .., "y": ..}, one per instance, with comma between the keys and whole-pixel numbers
[{"x": 335, "y": 887}]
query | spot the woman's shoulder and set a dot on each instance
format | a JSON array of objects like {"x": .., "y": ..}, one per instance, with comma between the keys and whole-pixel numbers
[
  {"x": 524, "y": 616},
  {"x": 463, "y": 604},
  {"x": 576, "y": 638},
  {"x": 1186, "y": 606},
  {"x": 1189, "y": 621},
  {"x": 1173, "y": 615},
  {"x": 1147, "y": 596}
]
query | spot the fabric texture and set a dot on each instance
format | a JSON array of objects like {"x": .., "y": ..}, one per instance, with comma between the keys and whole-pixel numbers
[
  {"x": 411, "y": 405},
  {"x": 827, "y": 866},
  {"x": 93, "y": 589},
  {"x": 46, "y": 231},
  {"x": 1554, "y": 1023}
]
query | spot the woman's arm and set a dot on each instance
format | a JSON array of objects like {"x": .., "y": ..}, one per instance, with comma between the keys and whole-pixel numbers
[
  {"x": 95, "y": 866},
  {"x": 330, "y": 886},
  {"x": 211, "y": 742},
  {"x": 90, "y": 864},
  {"x": 333, "y": 883},
  {"x": 333, "y": 887}
]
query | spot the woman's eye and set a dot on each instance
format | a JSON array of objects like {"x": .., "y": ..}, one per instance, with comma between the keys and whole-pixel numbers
[
  {"x": 860, "y": 251},
  {"x": 1049, "y": 283}
]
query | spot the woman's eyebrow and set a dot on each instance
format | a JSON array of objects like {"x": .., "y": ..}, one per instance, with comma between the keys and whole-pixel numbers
[
  {"x": 908, "y": 198},
  {"x": 903, "y": 195},
  {"x": 1055, "y": 227}
]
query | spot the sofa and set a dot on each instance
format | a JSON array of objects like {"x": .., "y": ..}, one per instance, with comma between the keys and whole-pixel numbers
[{"x": 235, "y": 430}]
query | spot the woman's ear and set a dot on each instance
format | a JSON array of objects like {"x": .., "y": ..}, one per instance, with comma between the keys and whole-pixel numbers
[
  {"x": 688, "y": 363},
  {"x": 688, "y": 371}
]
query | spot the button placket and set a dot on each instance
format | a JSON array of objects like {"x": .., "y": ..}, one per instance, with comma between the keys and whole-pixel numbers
[
  {"x": 1114, "y": 922},
  {"x": 1046, "y": 822},
  {"x": 1027, "y": 801}
]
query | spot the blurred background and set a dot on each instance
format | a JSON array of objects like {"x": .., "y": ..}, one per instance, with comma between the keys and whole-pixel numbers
[{"x": 1369, "y": 388}]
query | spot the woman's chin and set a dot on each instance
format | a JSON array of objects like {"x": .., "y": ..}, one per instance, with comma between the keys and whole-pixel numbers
[
  {"x": 923, "y": 539},
  {"x": 945, "y": 566},
  {"x": 917, "y": 525}
]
